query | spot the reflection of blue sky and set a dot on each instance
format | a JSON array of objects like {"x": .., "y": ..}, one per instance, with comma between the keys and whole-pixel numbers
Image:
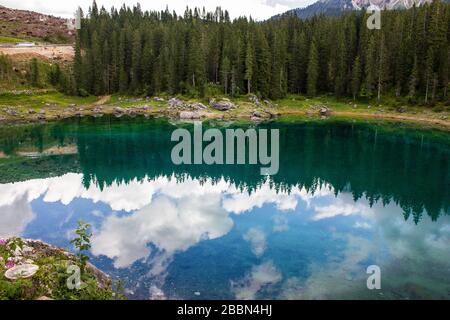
[{"x": 177, "y": 238}]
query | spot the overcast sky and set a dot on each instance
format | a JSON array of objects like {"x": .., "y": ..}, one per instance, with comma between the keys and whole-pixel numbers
[{"x": 258, "y": 9}]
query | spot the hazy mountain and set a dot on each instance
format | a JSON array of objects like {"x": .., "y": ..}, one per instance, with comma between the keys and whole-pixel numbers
[{"x": 337, "y": 7}]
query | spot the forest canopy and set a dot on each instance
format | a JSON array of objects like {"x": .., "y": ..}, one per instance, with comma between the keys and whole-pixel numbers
[{"x": 130, "y": 51}]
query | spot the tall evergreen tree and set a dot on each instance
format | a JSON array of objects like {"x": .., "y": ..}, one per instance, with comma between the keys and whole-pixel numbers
[{"x": 313, "y": 69}]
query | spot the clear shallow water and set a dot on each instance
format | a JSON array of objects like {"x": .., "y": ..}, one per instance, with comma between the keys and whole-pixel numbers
[{"x": 348, "y": 195}]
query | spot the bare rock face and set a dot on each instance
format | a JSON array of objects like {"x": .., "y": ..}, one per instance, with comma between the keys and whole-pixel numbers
[
  {"x": 223, "y": 105},
  {"x": 22, "y": 271},
  {"x": 189, "y": 115}
]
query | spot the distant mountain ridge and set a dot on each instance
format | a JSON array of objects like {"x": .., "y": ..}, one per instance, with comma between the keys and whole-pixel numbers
[
  {"x": 326, "y": 7},
  {"x": 338, "y": 7}
]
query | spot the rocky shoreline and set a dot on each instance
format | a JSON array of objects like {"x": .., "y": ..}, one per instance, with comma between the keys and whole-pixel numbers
[{"x": 217, "y": 109}]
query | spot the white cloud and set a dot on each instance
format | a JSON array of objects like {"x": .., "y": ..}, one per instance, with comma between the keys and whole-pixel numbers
[{"x": 258, "y": 9}]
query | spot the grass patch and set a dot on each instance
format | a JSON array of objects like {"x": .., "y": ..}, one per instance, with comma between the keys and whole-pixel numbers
[
  {"x": 10, "y": 40},
  {"x": 38, "y": 100}
]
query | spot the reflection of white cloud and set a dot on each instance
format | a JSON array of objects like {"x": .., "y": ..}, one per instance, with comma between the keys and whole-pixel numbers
[
  {"x": 416, "y": 256},
  {"x": 137, "y": 194},
  {"x": 280, "y": 223},
  {"x": 260, "y": 276},
  {"x": 15, "y": 217},
  {"x": 334, "y": 278},
  {"x": 257, "y": 240},
  {"x": 362, "y": 225},
  {"x": 240, "y": 202},
  {"x": 421, "y": 243},
  {"x": 342, "y": 206},
  {"x": 170, "y": 224}
]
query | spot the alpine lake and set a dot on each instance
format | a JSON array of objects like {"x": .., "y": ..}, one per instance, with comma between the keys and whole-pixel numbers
[{"x": 348, "y": 195}]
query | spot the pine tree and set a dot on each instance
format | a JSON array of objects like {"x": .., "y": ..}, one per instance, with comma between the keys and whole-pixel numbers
[
  {"x": 135, "y": 73},
  {"x": 249, "y": 65},
  {"x": 369, "y": 69},
  {"x": 34, "y": 73},
  {"x": 131, "y": 51},
  {"x": 413, "y": 79},
  {"x": 356, "y": 77},
  {"x": 226, "y": 68},
  {"x": 78, "y": 67},
  {"x": 196, "y": 64},
  {"x": 313, "y": 69}
]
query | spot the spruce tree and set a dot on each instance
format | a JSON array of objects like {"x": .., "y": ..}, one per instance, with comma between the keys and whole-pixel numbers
[{"x": 313, "y": 69}]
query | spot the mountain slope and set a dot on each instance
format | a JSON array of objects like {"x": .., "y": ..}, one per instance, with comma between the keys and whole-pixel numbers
[
  {"x": 337, "y": 7},
  {"x": 326, "y": 7},
  {"x": 29, "y": 25}
]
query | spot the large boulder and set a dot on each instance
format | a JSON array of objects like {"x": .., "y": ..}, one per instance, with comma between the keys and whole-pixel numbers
[
  {"x": 22, "y": 271},
  {"x": 119, "y": 110},
  {"x": 198, "y": 106},
  {"x": 175, "y": 103},
  {"x": 254, "y": 99},
  {"x": 402, "y": 109},
  {"x": 223, "y": 105},
  {"x": 324, "y": 111},
  {"x": 11, "y": 112},
  {"x": 189, "y": 115}
]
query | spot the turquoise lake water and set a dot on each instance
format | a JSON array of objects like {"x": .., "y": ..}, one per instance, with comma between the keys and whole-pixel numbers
[{"x": 348, "y": 195}]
